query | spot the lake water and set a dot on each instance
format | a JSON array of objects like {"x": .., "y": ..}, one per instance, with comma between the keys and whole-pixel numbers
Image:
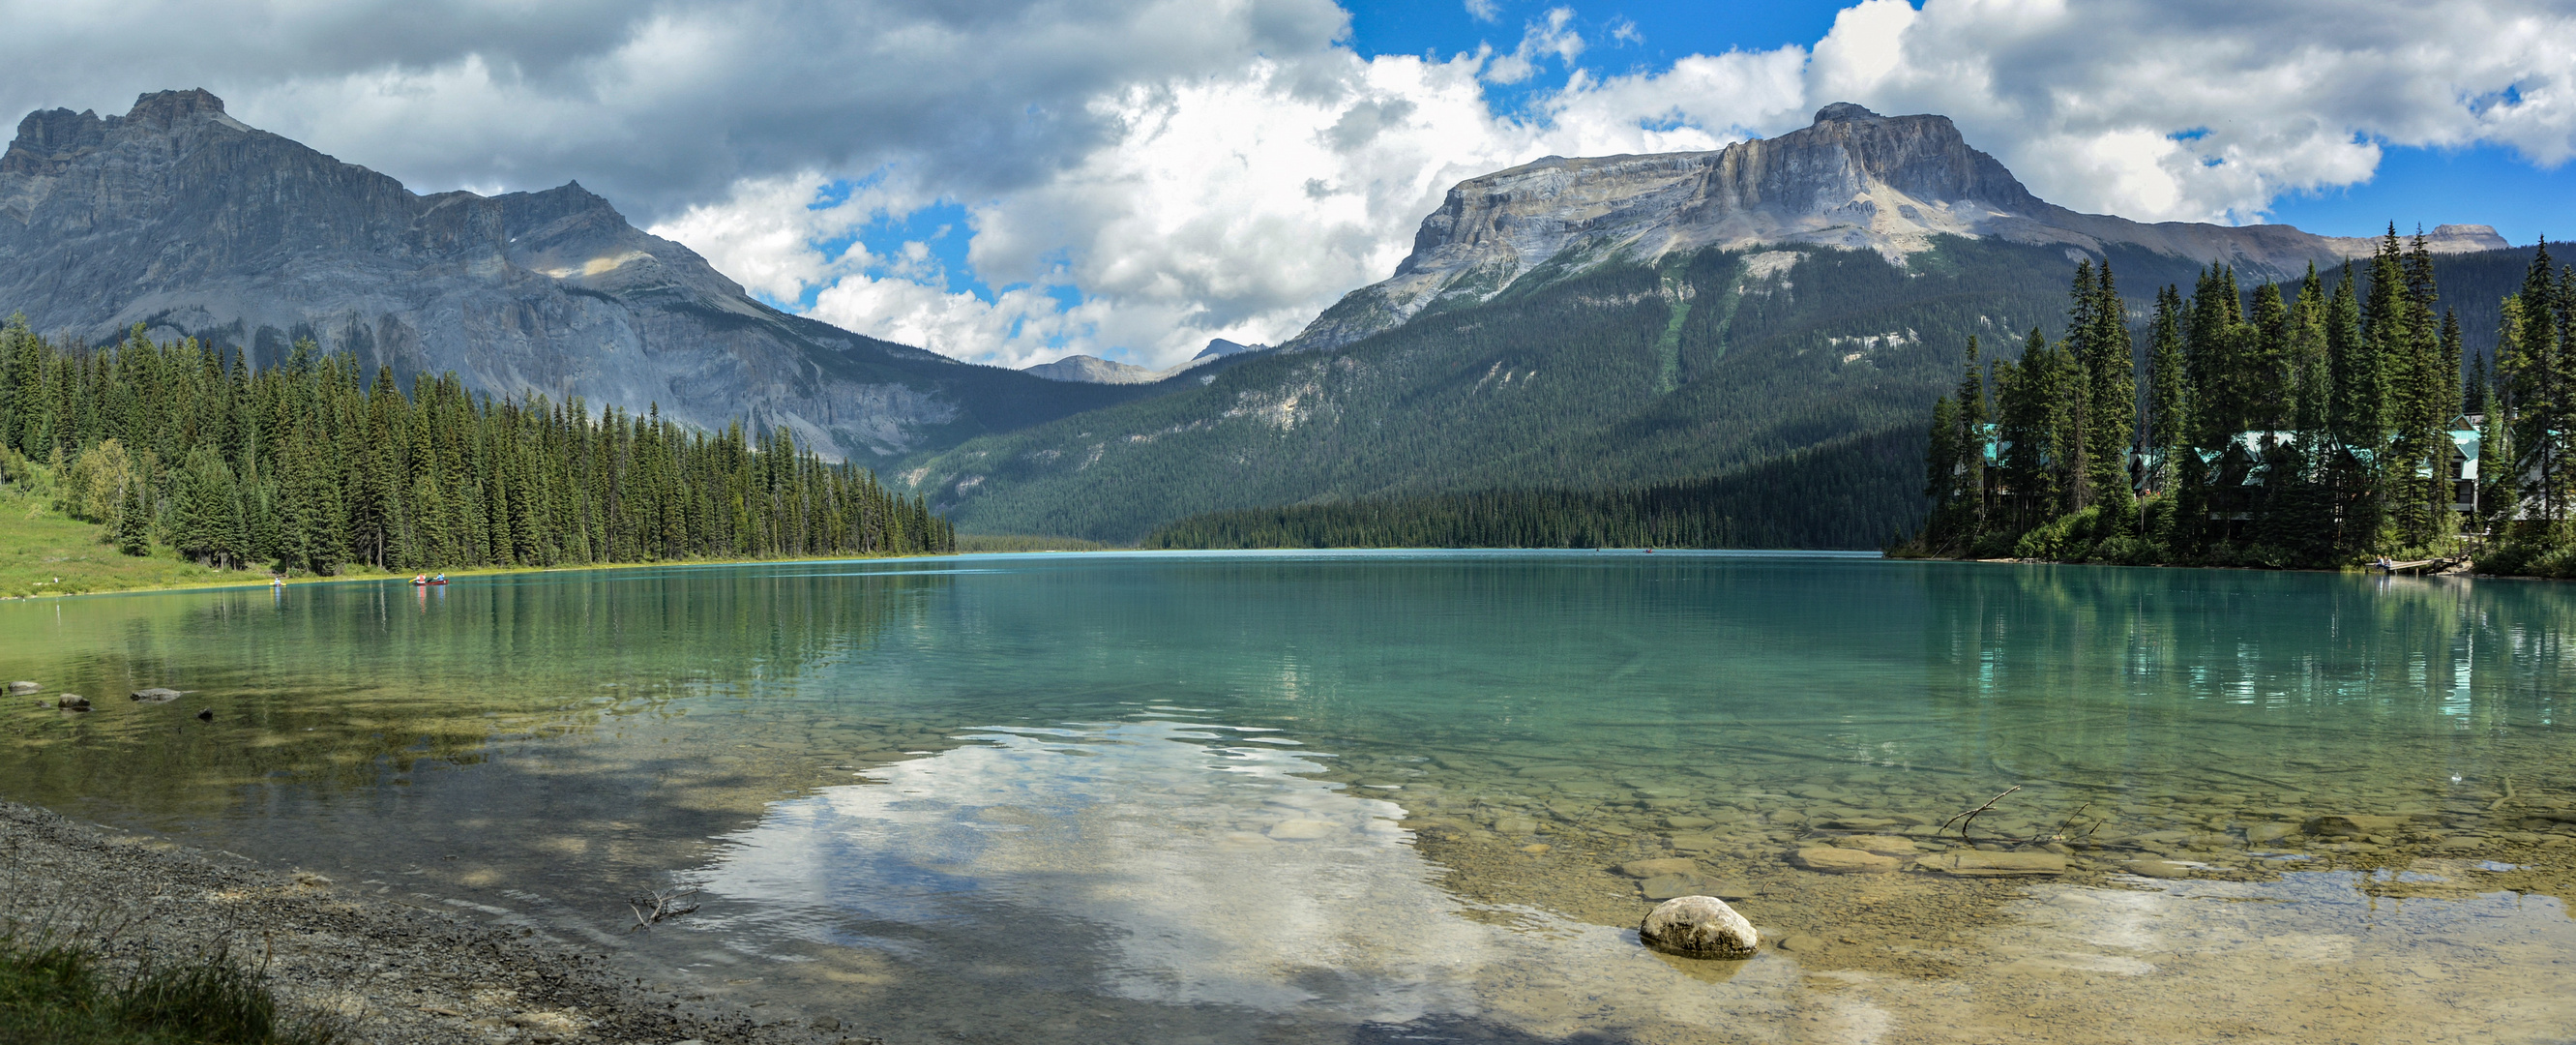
[{"x": 1383, "y": 796}]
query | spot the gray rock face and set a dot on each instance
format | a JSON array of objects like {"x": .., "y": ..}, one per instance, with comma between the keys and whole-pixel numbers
[
  {"x": 181, "y": 218},
  {"x": 1854, "y": 179}
]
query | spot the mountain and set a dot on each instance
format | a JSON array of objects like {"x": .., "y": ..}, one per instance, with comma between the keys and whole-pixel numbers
[
  {"x": 1773, "y": 312},
  {"x": 1219, "y": 348},
  {"x": 1095, "y": 370},
  {"x": 181, "y": 218},
  {"x": 1107, "y": 372},
  {"x": 1854, "y": 179}
]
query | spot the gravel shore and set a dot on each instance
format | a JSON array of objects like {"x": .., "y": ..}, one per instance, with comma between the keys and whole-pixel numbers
[{"x": 395, "y": 973}]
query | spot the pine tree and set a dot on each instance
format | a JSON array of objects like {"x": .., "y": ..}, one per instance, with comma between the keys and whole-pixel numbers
[{"x": 133, "y": 523}]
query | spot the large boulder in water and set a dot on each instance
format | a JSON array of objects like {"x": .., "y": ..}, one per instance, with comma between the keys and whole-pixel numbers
[
  {"x": 155, "y": 695},
  {"x": 1698, "y": 927},
  {"x": 20, "y": 689}
]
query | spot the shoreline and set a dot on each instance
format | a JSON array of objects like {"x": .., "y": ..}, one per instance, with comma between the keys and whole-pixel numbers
[
  {"x": 471, "y": 571},
  {"x": 394, "y": 971}
]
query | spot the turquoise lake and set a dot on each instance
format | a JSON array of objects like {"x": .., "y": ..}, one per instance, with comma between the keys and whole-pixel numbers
[{"x": 1386, "y": 796}]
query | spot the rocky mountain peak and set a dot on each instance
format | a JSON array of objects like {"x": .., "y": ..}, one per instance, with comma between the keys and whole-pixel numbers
[
  {"x": 1853, "y": 179},
  {"x": 1846, "y": 111}
]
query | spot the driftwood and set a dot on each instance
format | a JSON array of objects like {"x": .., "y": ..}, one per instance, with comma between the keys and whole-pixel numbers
[
  {"x": 1969, "y": 818},
  {"x": 662, "y": 907}
]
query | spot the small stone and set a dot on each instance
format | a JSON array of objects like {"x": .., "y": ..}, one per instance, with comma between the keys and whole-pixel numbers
[
  {"x": 69, "y": 702},
  {"x": 1515, "y": 825},
  {"x": 1536, "y": 848},
  {"x": 1997, "y": 865},
  {"x": 1698, "y": 927},
  {"x": 1883, "y": 845},
  {"x": 1302, "y": 830},
  {"x": 310, "y": 880},
  {"x": 1831, "y": 860},
  {"x": 206, "y": 715},
  {"x": 1659, "y": 868},
  {"x": 2266, "y": 834},
  {"x": 20, "y": 689},
  {"x": 1803, "y": 944},
  {"x": 155, "y": 695},
  {"x": 2462, "y": 843},
  {"x": 827, "y": 1023},
  {"x": 2157, "y": 869},
  {"x": 1667, "y": 886},
  {"x": 1694, "y": 843},
  {"x": 1688, "y": 823}
]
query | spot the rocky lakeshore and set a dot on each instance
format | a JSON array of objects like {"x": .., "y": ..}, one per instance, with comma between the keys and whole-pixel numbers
[{"x": 390, "y": 972}]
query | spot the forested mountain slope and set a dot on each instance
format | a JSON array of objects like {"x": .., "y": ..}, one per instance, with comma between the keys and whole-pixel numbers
[
  {"x": 1625, "y": 374},
  {"x": 181, "y": 218}
]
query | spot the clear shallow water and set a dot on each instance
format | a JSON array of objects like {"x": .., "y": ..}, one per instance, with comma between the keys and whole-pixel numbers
[{"x": 1257, "y": 797}]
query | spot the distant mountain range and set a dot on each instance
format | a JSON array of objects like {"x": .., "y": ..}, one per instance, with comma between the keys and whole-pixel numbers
[
  {"x": 1631, "y": 320},
  {"x": 1569, "y": 324},
  {"x": 1110, "y": 372},
  {"x": 183, "y": 219}
]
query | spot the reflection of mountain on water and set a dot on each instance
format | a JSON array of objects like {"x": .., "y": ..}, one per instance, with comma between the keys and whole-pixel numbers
[{"x": 340, "y": 686}]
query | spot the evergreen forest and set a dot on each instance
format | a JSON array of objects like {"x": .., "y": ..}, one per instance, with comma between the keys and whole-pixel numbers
[
  {"x": 1854, "y": 492},
  {"x": 2310, "y": 424},
  {"x": 308, "y": 467}
]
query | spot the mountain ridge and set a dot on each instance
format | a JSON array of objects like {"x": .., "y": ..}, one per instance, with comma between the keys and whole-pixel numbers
[
  {"x": 1852, "y": 179},
  {"x": 181, "y": 218}
]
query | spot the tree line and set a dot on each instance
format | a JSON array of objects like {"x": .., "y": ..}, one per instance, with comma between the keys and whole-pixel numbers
[
  {"x": 2309, "y": 427},
  {"x": 1854, "y": 492},
  {"x": 306, "y": 466}
]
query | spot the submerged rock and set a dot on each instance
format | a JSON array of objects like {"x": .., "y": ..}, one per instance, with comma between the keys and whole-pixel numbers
[
  {"x": 1831, "y": 860},
  {"x": 68, "y": 702},
  {"x": 1659, "y": 868},
  {"x": 1883, "y": 845},
  {"x": 1668, "y": 886},
  {"x": 1698, "y": 927},
  {"x": 20, "y": 689},
  {"x": 1975, "y": 864},
  {"x": 2158, "y": 869},
  {"x": 2351, "y": 825},
  {"x": 155, "y": 695}
]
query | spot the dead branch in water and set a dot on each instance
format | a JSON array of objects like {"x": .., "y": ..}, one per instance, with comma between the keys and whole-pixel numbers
[
  {"x": 1969, "y": 818},
  {"x": 662, "y": 911}
]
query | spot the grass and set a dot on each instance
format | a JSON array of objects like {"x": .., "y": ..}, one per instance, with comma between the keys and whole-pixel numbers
[
  {"x": 988, "y": 543},
  {"x": 53, "y": 992},
  {"x": 45, "y": 552}
]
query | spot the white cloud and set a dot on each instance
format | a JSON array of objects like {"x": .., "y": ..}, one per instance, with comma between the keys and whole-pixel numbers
[
  {"x": 1197, "y": 169},
  {"x": 2210, "y": 112},
  {"x": 1541, "y": 40}
]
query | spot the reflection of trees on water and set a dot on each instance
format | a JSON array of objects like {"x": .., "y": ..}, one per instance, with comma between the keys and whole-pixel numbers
[
  {"x": 342, "y": 685},
  {"x": 2318, "y": 680}
]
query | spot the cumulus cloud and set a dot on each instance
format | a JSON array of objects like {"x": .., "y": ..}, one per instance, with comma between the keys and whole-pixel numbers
[{"x": 1137, "y": 176}]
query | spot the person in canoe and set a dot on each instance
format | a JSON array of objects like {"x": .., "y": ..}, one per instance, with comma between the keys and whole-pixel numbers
[{"x": 420, "y": 578}]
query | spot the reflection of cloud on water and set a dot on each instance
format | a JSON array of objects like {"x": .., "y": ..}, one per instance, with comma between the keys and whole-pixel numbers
[{"x": 1175, "y": 864}]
